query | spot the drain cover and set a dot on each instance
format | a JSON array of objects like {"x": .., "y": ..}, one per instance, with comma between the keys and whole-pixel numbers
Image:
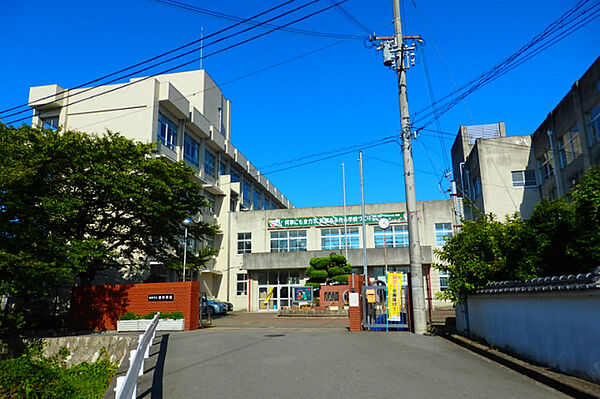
[{"x": 274, "y": 335}]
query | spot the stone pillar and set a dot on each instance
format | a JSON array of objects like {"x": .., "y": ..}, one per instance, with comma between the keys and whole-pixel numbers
[{"x": 355, "y": 284}]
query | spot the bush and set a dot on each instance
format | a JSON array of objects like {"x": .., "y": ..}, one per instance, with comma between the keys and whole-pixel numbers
[
  {"x": 341, "y": 279},
  {"x": 33, "y": 375},
  {"x": 150, "y": 316}
]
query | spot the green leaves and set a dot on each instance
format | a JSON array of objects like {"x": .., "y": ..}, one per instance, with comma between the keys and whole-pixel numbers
[
  {"x": 334, "y": 267},
  {"x": 559, "y": 238},
  {"x": 73, "y": 204}
]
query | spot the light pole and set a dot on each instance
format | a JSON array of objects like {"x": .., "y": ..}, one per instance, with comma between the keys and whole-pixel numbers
[{"x": 186, "y": 222}]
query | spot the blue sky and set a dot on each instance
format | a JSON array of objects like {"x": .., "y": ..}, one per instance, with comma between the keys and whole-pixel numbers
[{"x": 339, "y": 96}]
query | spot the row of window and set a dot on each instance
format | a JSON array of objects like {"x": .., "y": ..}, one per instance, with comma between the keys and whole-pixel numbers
[
  {"x": 167, "y": 135},
  {"x": 340, "y": 238}
]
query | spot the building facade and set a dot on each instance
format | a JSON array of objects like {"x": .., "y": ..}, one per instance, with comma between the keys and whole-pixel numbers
[
  {"x": 502, "y": 175},
  {"x": 188, "y": 117},
  {"x": 269, "y": 251}
]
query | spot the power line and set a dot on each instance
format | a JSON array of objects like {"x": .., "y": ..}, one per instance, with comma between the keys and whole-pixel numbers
[
  {"x": 352, "y": 19},
  {"x": 145, "y": 61},
  {"x": 208, "y": 55},
  {"x": 568, "y": 23},
  {"x": 227, "y": 17},
  {"x": 389, "y": 140}
]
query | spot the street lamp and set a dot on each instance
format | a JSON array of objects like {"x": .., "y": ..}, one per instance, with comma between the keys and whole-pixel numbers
[{"x": 186, "y": 222}]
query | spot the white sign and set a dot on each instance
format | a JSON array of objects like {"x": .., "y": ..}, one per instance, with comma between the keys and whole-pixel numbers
[{"x": 354, "y": 299}]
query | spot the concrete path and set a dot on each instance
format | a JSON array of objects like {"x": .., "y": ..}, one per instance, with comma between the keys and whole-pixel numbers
[{"x": 300, "y": 362}]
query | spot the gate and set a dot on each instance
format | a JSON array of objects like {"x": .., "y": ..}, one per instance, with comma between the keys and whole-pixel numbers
[{"x": 383, "y": 310}]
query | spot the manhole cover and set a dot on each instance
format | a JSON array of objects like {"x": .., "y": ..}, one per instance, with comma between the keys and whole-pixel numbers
[{"x": 274, "y": 335}]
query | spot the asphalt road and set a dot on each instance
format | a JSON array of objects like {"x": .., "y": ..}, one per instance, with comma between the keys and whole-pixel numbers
[{"x": 324, "y": 363}]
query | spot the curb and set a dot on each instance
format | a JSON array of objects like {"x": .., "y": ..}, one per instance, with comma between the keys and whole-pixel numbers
[{"x": 572, "y": 386}]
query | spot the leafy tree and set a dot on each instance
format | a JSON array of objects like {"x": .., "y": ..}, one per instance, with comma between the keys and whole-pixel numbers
[
  {"x": 484, "y": 250},
  {"x": 333, "y": 268},
  {"x": 73, "y": 204},
  {"x": 586, "y": 201}
]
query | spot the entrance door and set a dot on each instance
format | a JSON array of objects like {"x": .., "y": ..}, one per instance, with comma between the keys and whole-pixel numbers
[{"x": 274, "y": 297}]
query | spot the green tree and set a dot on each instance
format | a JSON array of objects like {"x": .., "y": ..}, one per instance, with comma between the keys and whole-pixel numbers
[
  {"x": 73, "y": 204},
  {"x": 333, "y": 268},
  {"x": 586, "y": 201},
  {"x": 484, "y": 250}
]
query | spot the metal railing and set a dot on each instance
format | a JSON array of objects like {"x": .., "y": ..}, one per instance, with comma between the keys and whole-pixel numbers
[{"x": 127, "y": 385}]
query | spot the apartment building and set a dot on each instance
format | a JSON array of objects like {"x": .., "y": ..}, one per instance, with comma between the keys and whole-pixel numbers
[{"x": 188, "y": 117}]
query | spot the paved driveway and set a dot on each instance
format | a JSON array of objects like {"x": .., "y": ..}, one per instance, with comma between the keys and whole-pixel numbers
[
  {"x": 247, "y": 320},
  {"x": 304, "y": 363}
]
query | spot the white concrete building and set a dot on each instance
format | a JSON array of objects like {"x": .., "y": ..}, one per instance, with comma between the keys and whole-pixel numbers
[
  {"x": 269, "y": 251},
  {"x": 190, "y": 119},
  {"x": 264, "y": 242}
]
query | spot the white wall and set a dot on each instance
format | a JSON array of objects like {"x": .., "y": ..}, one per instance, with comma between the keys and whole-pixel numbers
[{"x": 561, "y": 330}]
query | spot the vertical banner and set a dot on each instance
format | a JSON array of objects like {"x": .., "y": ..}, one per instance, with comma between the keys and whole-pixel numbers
[{"x": 394, "y": 296}]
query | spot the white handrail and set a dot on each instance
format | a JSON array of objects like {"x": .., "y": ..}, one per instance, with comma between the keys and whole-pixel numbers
[{"x": 127, "y": 386}]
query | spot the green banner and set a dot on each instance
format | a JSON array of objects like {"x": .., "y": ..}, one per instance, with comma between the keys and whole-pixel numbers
[{"x": 283, "y": 223}]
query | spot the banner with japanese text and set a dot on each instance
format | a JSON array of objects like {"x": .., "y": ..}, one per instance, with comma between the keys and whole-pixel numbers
[
  {"x": 394, "y": 296},
  {"x": 333, "y": 220}
]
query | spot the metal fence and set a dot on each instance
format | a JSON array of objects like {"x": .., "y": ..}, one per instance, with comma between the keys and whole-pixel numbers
[{"x": 384, "y": 309}]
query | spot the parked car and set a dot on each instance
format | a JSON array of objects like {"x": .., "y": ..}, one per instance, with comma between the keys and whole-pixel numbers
[{"x": 212, "y": 306}]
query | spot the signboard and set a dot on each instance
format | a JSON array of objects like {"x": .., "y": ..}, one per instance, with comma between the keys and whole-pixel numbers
[
  {"x": 394, "y": 296},
  {"x": 370, "y": 295},
  {"x": 303, "y": 294},
  {"x": 354, "y": 299},
  {"x": 161, "y": 297},
  {"x": 281, "y": 223}
]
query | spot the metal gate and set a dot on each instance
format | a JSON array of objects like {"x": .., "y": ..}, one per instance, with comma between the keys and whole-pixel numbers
[{"x": 383, "y": 310}]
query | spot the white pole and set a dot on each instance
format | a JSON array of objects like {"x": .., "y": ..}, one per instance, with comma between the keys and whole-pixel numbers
[
  {"x": 184, "y": 251},
  {"x": 345, "y": 225},
  {"x": 364, "y": 225}
]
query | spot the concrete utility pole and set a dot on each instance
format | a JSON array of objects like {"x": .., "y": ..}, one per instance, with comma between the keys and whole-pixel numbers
[{"x": 416, "y": 268}]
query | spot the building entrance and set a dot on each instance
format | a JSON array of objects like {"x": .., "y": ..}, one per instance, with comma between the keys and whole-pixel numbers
[{"x": 275, "y": 288}]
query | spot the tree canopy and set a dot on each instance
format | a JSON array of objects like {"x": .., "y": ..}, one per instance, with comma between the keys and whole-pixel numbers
[
  {"x": 333, "y": 268},
  {"x": 561, "y": 237},
  {"x": 72, "y": 204}
]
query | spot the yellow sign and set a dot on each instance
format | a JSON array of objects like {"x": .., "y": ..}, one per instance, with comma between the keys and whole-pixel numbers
[
  {"x": 370, "y": 295},
  {"x": 394, "y": 296}
]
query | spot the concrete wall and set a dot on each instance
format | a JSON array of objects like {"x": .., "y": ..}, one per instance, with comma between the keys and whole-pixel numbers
[
  {"x": 88, "y": 348},
  {"x": 556, "y": 329}
]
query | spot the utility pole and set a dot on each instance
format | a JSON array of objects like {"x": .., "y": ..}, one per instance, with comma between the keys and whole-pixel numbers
[
  {"x": 400, "y": 57},
  {"x": 364, "y": 225}
]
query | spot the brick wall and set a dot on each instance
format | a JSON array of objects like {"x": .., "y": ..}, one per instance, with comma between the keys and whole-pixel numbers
[
  {"x": 355, "y": 283},
  {"x": 99, "y": 307},
  {"x": 340, "y": 289}
]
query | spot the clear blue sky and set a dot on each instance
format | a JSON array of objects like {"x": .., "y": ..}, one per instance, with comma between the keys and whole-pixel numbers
[{"x": 337, "y": 97}]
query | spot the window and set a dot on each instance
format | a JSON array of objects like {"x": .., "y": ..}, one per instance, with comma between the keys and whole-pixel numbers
[
  {"x": 523, "y": 178},
  {"x": 569, "y": 147},
  {"x": 395, "y": 236},
  {"x": 335, "y": 239},
  {"x": 444, "y": 281},
  {"x": 242, "y": 284},
  {"x": 288, "y": 241},
  {"x": 246, "y": 194},
  {"x": 222, "y": 169},
  {"x": 592, "y": 121},
  {"x": 256, "y": 200},
  {"x": 443, "y": 231},
  {"x": 235, "y": 177},
  {"x": 50, "y": 123},
  {"x": 209, "y": 163},
  {"x": 244, "y": 243},
  {"x": 190, "y": 151},
  {"x": 273, "y": 206},
  {"x": 167, "y": 131},
  {"x": 266, "y": 204},
  {"x": 545, "y": 166},
  {"x": 211, "y": 199}
]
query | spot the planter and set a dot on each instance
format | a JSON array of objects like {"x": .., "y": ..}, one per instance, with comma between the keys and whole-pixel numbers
[{"x": 142, "y": 324}]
